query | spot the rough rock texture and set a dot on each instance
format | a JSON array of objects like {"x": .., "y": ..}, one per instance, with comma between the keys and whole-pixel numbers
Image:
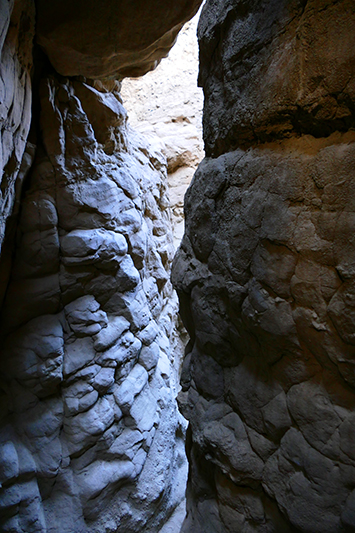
[
  {"x": 269, "y": 70},
  {"x": 110, "y": 38},
  {"x": 167, "y": 103},
  {"x": 16, "y": 34},
  {"x": 265, "y": 273},
  {"x": 90, "y": 438}
]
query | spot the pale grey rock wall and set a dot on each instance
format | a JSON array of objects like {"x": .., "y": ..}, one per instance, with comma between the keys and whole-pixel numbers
[
  {"x": 90, "y": 437},
  {"x": 265, "y": 272},
  {"x": 16, "y": 154}
]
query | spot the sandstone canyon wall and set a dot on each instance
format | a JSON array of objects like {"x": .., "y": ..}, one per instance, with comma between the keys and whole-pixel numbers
[
  {"x": 167, "y": 103},
  {"x": 265, "y": 272},
  {"x": 90, "y": 436},
  {"x": 90, "y": 440}
]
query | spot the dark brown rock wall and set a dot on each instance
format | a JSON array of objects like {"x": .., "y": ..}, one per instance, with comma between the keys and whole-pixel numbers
[
  {"x": 273, "y": 69},
  {"x": 265, "y": 273},
  {"x": 110, "y": 38}
]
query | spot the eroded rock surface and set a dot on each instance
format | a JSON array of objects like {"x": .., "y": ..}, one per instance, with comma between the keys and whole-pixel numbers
[
  {"x": 16, "y": 154},
  {"x": 265, "y": 272},
  {"x": 90, "y": 436},
  {"x": 168, "y": 104},
  {"x": 278, "y": 71},
  {"x": 110, "y": 39}
]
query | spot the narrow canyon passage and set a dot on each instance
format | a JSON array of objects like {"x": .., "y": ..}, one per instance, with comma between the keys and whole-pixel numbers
[
  {"x": 91, "y": 438},
  {"x": 167, "y": 103}
]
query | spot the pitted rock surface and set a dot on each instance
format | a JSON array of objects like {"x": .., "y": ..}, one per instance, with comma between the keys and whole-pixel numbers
[{"x": 265, "y": 272}]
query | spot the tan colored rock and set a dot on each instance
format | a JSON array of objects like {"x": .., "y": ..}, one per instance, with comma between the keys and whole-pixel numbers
[
  {"x": 111, "y": 39},
  {"x": 168, "y": 104}
]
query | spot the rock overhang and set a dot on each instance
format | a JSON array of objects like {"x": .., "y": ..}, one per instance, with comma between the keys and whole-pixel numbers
[{"x": 109, "y": 39}]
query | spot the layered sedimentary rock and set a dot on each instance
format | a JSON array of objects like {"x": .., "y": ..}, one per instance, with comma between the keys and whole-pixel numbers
[
  {"x": 90, "y": 437},
  {"x": 265, "y": 273}
]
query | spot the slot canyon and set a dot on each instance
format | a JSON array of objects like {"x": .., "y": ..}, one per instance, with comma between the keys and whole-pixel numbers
[{"x": 133, "y": 374}]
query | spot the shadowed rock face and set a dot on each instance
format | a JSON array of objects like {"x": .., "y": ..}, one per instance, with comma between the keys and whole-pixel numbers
[
  {"x": 272, "y": 69},
  {"x": 265, "y": 273},
  {"x": 17, "y": 22},
  {"x": 110, "y": 38}
]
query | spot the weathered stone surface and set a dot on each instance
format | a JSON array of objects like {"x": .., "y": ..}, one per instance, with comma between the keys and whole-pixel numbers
[
  {"x": 265, "y": 272},
  {"x": 113, "y": 39},
  {"x": 88, "y": 419},
  {"x": 167, "y": 104},
  {"x": 16, "y": 153},
  {"x": 306, "y": 84}
]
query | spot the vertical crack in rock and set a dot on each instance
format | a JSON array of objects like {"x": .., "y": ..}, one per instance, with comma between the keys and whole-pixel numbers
[
  {"x": 168, "y": 104},
  {"x": 265, "y": 272}
]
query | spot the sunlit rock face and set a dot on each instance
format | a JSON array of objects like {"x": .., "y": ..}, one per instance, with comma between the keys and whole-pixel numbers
[
  {"x": 110, "y": 38},
  {"x": 265, "y": 273},
  {"x": 168, "y": 104},
  {"x": 90, "y": 439}
]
